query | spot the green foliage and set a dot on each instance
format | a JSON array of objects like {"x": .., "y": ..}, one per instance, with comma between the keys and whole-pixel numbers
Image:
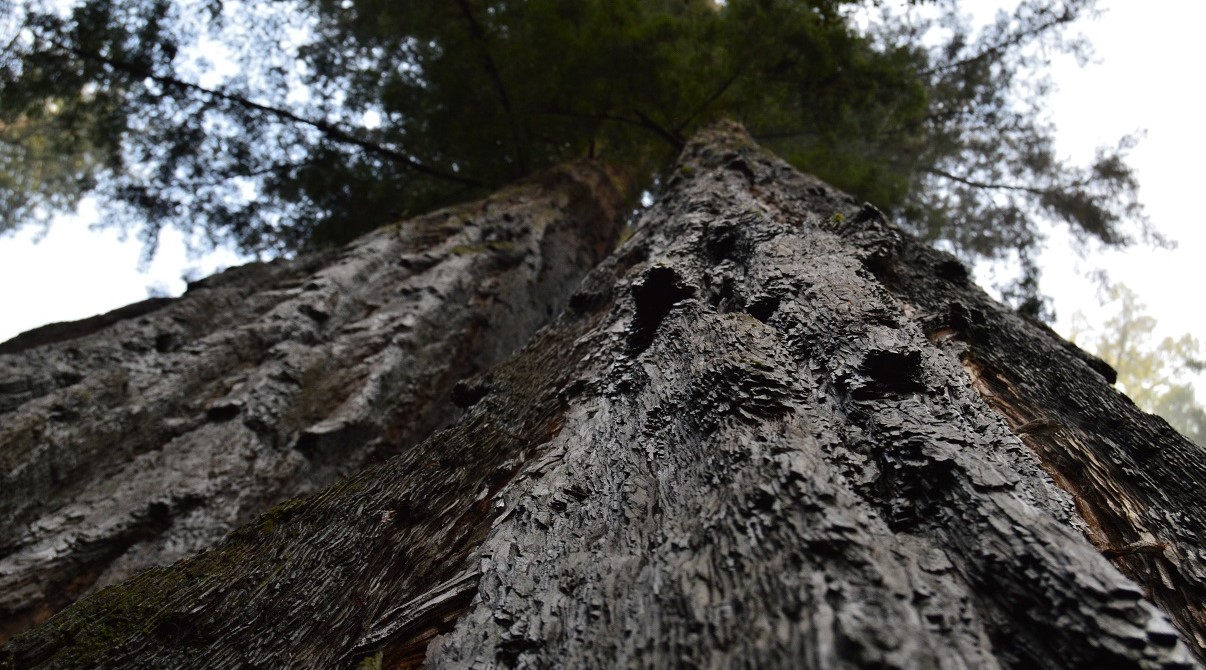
[
  {"x": 1151, "y": 375},
  {"x": 346, "y": 113},
  {"x": 44, "y": 167},
  {"x": 371, "y": 662}
]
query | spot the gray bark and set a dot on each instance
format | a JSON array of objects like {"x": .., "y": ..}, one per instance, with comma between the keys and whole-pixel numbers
[
  {"x": 145, "y": 435},
  {"x": 770, "y": 430}
]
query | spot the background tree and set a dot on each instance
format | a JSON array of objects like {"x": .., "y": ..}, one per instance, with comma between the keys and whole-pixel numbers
[
  {"x": 341, "y": 114},
  {"x": 1153, "y": 375}
]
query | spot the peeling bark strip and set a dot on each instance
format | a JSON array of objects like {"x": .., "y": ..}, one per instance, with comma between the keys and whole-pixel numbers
[
  {"x": 142, "y": 436},
  {"x": 738, "y": 447}
]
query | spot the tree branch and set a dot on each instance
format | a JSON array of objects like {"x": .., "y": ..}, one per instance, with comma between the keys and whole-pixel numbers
[
  {"x": 711, "y": 99},
  {"x": 642, "y": 121},
  {"x": 985, "y": 185},
  {"x": 1013, "y": 40},
  {"x": 11, "y": 43},
  {"x": 479, "y": 34},
  {"x": 678, "y": 141},
  {"x": 330, "y": 130}
]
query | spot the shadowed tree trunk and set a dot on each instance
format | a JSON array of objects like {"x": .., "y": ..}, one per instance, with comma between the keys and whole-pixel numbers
[
  {"x": 770, "y": 430},
  {"x": 151, "y": 439}
]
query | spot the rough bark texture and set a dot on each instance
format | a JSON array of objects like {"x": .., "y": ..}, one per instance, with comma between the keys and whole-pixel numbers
[
  {"x": 142, "y": 436},
  {"x": 769, "y": 431}
]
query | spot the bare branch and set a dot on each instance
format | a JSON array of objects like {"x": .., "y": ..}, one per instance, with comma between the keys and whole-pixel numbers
[
  {"x": 479, "y": 34},
  {"x": 985, "y": 185},
  {"x": 724, "y": 87},
  {"x": 677, "y": 140},
  {"x": 330, "y": 130}
]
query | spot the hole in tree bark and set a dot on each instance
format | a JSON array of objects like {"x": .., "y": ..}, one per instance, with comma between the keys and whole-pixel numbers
[
  {"x": 888, "y": 373},
  {"x": 763, "y": 307},
  {"x": 654, "y": 294}
]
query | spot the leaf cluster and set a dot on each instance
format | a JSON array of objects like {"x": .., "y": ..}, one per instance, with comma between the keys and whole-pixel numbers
[
  {"x": 1154, "y": 375},
  {"x": 341, "y": 115}
]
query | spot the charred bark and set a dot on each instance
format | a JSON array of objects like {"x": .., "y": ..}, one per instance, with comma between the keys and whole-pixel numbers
[
  {"x": 144, "y": 435},
  {"x": 770, "y": 430}
]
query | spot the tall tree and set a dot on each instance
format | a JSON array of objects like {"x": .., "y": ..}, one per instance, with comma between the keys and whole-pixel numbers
[
  {"x": 770, "y": 430},
  {"x": 343, "y": 113},
  {"x": 1153, "y": 375}
]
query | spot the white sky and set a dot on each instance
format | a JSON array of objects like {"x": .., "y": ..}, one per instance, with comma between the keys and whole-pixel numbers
[
  {"x": 1143, "y": 82},
  {"x": 73, "y": 271},
  {"x": 1147, "y": 53}
]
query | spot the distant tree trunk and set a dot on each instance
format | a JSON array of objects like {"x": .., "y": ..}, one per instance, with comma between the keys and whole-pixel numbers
[
  {"x": 770, "y": 430},
  {"x": 144, "y": 435}
]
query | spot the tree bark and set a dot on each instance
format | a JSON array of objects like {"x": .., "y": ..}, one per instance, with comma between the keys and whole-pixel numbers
[
  {"x": 770, "y": 430},
  {"x": 144, "y": 435}
]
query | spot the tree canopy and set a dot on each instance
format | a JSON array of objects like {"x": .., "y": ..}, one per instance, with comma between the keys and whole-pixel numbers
[{"x": 278, "y": 126}]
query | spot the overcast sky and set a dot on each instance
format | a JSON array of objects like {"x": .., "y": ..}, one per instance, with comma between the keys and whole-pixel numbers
[
  {"x": 1147, "y": 51},
  {"x": 1149, "y": 55}
]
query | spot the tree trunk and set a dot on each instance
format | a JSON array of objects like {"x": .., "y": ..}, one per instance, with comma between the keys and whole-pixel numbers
[
  {"x": 177, "y": 421},
  {"x": 770, "y": 430}
]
